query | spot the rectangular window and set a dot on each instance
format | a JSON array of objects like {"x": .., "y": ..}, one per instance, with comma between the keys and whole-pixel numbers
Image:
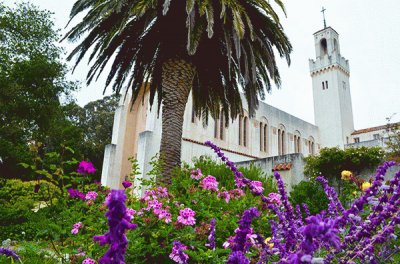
[
  {"x": 357, "y": 140},
  {"x": 344, "y": 85},
  {"x": 376, "y": 136},
  {"x": 323, "y": 86},
  {"x": 326, "y": 84}
]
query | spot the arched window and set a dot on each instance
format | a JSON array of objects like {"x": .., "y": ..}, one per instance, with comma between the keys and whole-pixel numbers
[
  {"x": 296, "y": 142},
  {"x": 281, "y": 140},
  {"x": 265, "y": 138},
  {"x": 240, "y": 129},
  {"x": 311, "y": 147},
  {"x": 245, "y": 130},
  {"x": 261, "y": 136},
  {"x": 221, "y": 126}
]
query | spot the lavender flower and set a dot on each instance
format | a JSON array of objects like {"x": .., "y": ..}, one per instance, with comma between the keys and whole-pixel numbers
[
  {"x": 211, "y": 236},
  {"x": 9, "y": 253},
  {"x": 177, "y": 253},
  {"x": 118, "y": 222},
  {"x": 126, "y": 184},
  {"x": 85, "y": 167},
  {"x": 237, "y": 257},
  {"x": 239, "y": 243}
]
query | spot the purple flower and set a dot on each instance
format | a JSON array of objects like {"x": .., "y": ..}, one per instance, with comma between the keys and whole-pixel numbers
[
  {"x": 118, "y": 222},
  {"x": 237, "y": 257},
  {"x": 243, "y": 231},
  {"x": 126, "y": 184},
  {"x": 209, "y": 183},
  {"x": 177, "y": 253},
  {"x": 76, "y": 194},
  {"x": 211, "y": 236},
  {"x": 9, "y": 253},
  {"x": 186, "y": 217},
  {"x": 85, "y": 167},
  {"x": 256, "y": 187}
]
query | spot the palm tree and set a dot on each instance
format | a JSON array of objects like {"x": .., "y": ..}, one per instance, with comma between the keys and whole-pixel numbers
[{"x": 209, "y": 47}]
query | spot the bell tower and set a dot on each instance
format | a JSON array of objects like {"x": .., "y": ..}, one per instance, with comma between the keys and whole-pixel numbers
[{"x": 330, "y": 73}]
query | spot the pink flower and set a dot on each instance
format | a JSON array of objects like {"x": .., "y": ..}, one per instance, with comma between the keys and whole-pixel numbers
[
  {"x": 196, "y": 174},
  {"x": 107, "y": 199},
  {"x": 89, "y": 261},
  {"x": 91, "y": 196},
  {"x": 256, "y": 187},
  {"x": 209, "y": 183},
  {"x": 186, "y": 217},
  {"x": 85, "y": 167},
  {"x": 76, "y": 227},
  {"x": 154, "y": 204},
  {"x": 164, "y": 214},
  {"x": 224, "y": 195},
  {"x": 130, "y": 212},
  {"x": 275, "y": 198}
]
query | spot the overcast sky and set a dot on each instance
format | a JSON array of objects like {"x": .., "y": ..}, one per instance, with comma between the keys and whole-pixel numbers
[{"x": 369, "y": 38}]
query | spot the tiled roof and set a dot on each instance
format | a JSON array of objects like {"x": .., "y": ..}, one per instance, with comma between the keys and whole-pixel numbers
[
  {"x": 282, "y": 166},
  {"x": 371, "y": 129}
]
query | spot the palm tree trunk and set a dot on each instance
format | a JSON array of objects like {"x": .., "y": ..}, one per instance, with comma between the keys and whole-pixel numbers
[{"x": 177, "y": 81}]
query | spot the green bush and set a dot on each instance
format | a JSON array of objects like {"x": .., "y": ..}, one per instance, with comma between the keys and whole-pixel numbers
[{"x": 310, "y": 193}]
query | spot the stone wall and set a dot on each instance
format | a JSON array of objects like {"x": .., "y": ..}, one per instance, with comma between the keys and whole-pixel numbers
[{"x": 291, "y": 176}]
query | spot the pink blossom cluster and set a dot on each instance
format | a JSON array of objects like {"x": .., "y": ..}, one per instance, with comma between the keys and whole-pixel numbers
[
  {"x": 224, "y": 195},
  {"x": 209, "y": 183},
  {"x": 159, "y": 192},
  {"x": 130, "y": 213},
  {"x": 153, "y": 204},
  {"x": 196, "y": 174},
  {"x": 76, "y": 227},
  {"x": 89, "y": 261},
  {"x": 275, "y": 198},
  {"x": 256, "y": 187},
  {"x": 186, "y": 217},
  {"x": 91, "y": 196}
]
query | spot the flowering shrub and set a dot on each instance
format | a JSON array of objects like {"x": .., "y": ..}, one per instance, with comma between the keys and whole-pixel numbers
[{"x": 228, "y": 216}]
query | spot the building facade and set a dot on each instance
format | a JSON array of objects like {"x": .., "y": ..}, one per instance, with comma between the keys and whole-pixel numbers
[{"x": 272, "y": 133}]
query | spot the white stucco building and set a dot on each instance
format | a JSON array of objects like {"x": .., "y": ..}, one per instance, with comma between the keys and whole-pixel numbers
[{"x": 271, "y": 134}]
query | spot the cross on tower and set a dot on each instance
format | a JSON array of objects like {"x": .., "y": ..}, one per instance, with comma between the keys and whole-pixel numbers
[{"x": 323, "y": 13}]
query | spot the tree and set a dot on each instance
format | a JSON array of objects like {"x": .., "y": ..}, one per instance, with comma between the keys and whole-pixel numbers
[
  {"x": 212, "y": 48},
  {"x": 392, "y": 140},
  {"x": 95, "y": 122},
  {"x": 330, "y": 162},
  {"x": 32, "y": 78}
]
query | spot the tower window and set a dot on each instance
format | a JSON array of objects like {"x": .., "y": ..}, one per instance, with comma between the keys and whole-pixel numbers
[
  {"x": 326, "y": 84},
  {"x": 323, "y": 85},
  {"x": 344, "y": 85},
  {"x": 324, "y": 47}
]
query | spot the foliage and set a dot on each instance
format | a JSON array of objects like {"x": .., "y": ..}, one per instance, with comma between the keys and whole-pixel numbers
[
  {"x": 144, "y": 35},
  {"x": 393, "y": 140},
  {"x": 95, "y": 121},
  {"x": 310, "y": 193},
  {"x": 32, "y": 78},
  {"x": 330, "y": 162}
]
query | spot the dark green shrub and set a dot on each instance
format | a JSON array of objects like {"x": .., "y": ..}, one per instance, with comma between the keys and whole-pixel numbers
[{"x": 310, "y": 193}]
